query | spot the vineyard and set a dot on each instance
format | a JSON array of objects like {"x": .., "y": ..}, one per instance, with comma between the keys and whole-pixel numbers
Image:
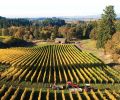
[
  {"x": 59, "y": 63},
  {"x": 12, "y": 93},
  {"x": 46, "y": 64}
]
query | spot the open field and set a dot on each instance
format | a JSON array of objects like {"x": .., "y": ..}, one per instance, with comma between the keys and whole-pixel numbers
[{"x": 89, "y": 45}]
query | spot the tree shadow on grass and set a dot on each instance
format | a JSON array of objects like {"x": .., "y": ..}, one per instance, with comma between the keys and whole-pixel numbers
[{"x": 112, "y": 64}]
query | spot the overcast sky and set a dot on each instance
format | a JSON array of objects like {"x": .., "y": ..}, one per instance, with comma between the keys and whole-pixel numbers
[{"x": 49, "y": 8}]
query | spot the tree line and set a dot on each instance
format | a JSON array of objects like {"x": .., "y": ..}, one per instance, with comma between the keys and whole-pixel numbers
[
  {"x": 8, "y": 22},
  {"x": 50, "y": 28},
  {"x": 68, "y": 31}
]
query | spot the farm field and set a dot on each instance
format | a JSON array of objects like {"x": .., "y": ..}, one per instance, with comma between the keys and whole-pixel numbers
[{"x": 46, "y": 64}]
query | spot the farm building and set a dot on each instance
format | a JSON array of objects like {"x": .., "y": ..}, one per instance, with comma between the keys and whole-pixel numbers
[{"x": 60, "y": 40}]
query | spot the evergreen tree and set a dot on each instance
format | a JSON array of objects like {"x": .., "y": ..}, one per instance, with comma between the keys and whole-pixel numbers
[{"x": 106, "y": 27}]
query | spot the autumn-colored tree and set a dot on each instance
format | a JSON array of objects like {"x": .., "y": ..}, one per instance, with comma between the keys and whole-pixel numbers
[
  {"x": 71, "y": 33},
  {"x": 20, "y": 33},
  {"x": 30, "y": 37},
  {"x": 5, "y": 32},
  {"x": 64, "y": 31}
]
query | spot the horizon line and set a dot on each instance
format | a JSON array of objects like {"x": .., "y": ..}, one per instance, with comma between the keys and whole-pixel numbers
[{"x": 66, "y": 16}]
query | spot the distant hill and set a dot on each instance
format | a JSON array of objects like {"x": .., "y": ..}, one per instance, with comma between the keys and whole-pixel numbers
[
  {"x": 81, "y": 18},
  {"x": 27, "y": 21},
  {"x": 84, "y": 18},
  {"x": 7, "y": 22},
  {"x": 70, "y": 18}
]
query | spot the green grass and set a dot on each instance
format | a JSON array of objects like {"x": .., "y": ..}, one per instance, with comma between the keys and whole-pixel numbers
[
  {"x": 3, "y": 37},
  {"x": 89, "y": 43},
  {"x": 90, "y": 46}
]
